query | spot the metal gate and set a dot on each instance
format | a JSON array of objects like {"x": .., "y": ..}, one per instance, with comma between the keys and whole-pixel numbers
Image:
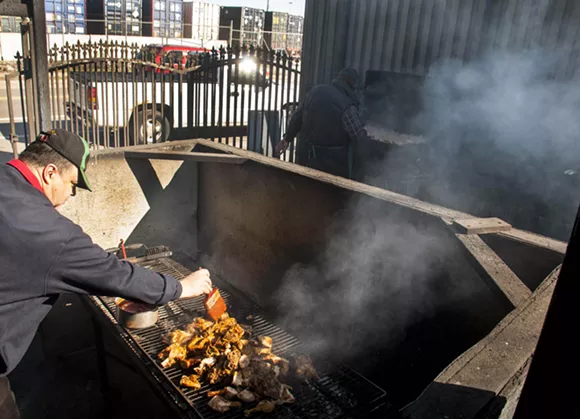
[{"x": 116, "y": 94}]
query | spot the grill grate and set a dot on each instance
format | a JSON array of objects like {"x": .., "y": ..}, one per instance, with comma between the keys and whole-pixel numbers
[{"x": 339, "y": 393}]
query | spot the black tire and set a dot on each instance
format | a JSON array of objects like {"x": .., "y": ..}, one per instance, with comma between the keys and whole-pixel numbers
[{"x": 144, "y": 132}]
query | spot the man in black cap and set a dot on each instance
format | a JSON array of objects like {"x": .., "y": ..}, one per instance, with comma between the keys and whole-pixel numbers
[
  {"x": 44, "y": 254},
  {"x": 329, "y": 123}
]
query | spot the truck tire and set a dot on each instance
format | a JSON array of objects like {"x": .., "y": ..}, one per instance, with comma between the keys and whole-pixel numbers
[{"x": 144, "y": 134}]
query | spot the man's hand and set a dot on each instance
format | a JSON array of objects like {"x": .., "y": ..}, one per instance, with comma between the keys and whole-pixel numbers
[
  {"x": 282, "y": 146},
  {"x": 196, "y": 284}
]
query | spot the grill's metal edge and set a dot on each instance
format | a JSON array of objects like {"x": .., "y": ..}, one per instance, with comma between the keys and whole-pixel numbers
[{"x": 175, "y": 394}]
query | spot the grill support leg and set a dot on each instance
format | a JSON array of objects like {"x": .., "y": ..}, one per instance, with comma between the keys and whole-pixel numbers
[{"x": 102, "y": 364}]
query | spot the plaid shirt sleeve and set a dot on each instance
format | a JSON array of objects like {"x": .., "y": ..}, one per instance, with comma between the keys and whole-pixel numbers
[{"x": 353, "y": 124}]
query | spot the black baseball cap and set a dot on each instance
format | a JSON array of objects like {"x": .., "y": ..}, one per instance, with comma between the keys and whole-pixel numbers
[{"x": 72, "y": 147}]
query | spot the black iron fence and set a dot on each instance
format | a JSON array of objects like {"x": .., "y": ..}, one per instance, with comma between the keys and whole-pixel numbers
[{"x": 116, "y": 94}]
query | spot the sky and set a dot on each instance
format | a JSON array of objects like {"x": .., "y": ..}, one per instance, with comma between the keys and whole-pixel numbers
[{"x": 295, "y": 7}]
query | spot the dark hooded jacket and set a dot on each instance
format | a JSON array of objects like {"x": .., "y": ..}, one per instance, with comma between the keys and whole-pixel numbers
[{"x": 324, "y": 143}]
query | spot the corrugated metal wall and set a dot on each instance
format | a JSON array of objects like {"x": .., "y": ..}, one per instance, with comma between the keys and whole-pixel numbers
[
  {"x": 324, "y": 42},
  {"x": 409, "y": 35}
]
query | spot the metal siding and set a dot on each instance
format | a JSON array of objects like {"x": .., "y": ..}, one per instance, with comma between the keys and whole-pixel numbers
[
  {"x": 408, "y": 36},
  {"x": 391, "y": 34},
  {"x": 464, "y": 15},
  {"x": 381, "y": 20},
  {"x": 425, "y": 27},
  {"x": 449, "y": 25},
  {"x": 320, "y": 64},
  {"x": 367, "y": 53},
  {"x": 413, "y": 32},
  {"x": 438, "y": 17}
]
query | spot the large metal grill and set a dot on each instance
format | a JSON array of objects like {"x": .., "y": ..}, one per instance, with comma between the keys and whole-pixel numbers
[{"x": 339, "y": 393}]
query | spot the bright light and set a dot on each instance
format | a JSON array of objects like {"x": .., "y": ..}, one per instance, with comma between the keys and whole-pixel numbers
[{"x": 248, "y": 66}]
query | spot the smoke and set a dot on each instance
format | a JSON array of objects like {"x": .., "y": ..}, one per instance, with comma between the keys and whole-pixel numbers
[
  {"x": 503, "y": 140},
  {"x": 502, "y": 131},
  {"x": 377, "y": 275}
]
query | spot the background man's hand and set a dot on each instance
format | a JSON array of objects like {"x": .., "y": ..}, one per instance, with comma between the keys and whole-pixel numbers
[
  {"x": 196, "y": 284},
  {"x": 282, "y": 146}
]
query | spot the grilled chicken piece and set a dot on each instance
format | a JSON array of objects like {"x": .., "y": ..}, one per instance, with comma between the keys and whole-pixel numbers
[
  {"x": 219, "y": 404},
  {"x": 197, "y": 343},
  {"x": 265, "y": 406},
  {"x": 237, "y": 379},
  {"x": 265, "y": 341},
  {"x": 232, "y": 361},
  {"x": 189, "y": 363},
  {"x": 229, "y": 393},
  {"x": 283, "y": 363},
  {"x": 247, "y": 396},
  {"x": 244, "y": 361},
  {"x": 191, "y": 381},
  {"x": 200, "y": 324},
  {"x": 204, "y": 365},
  {"x": 214, "y": 393},
  {"x": 172, "y": 354},
  {"x": 177, "y": 336},
  {"x": 305, "y": 368},
  {"x": 214, "y": 375}
]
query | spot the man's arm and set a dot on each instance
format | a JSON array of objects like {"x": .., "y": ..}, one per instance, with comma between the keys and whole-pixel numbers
[
  {"x": 295, "y": 124},
  {"x": 82, "y": 267},
  {"x": 354, "y": 125},
  {"x": 294, "y": 127}
]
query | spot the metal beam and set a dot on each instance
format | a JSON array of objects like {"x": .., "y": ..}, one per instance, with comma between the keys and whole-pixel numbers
[
  {"x": 185, "y": 156},
  {"x": 39, "y": 62}
]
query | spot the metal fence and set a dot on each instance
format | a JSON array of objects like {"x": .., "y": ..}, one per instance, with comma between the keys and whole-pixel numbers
[{"x": 115, "y": 94}]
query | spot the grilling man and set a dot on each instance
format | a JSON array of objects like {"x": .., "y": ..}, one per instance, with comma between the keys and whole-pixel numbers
[
  {"x": 44, "y": 254},
  {"x": 329, "y": 124}
]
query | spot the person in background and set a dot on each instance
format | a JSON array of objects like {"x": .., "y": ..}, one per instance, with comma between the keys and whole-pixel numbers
[
  {"x": 329, "y": 124},
  {"x": 44, "y": 254}
]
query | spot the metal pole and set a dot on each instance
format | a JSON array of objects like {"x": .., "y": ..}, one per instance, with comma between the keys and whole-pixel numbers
[
  {"x": 28, "y": 85},
  {"x": 231, "y": 32},
  {"x": 20, "y": 63},
  {"x": 13, "y": 136},
  {"x": 552, "y": 387},
  {"x": 267, "y": 5},
  {"x": 40, "y": 62}
]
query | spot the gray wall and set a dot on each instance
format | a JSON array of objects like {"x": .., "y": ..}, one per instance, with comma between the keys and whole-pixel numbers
[
  {"x": 409, "y": 35},
  {"x": 153, "y": 202}
]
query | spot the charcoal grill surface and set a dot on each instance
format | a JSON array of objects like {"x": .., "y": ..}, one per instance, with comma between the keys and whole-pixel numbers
[{"x": 339, "y": 393}]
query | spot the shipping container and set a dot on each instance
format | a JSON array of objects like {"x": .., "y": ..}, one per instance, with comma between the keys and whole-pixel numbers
[
  {"x": 247, "y": 24},
  {"x": 64, "y": 16},
  {"x": 295, "y": 24},
  {"x": 163, "y": 18},
  {"x": 275, "y": 30},
  {"x": 10, "y": 24},
  {"x": 201, "y": 20},
  {"x": 295, "y": 29},
  {"x": 114, "y": 17}
]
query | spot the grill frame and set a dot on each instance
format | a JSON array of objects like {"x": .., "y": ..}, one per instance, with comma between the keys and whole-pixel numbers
[{"x": 333, "y": 391}]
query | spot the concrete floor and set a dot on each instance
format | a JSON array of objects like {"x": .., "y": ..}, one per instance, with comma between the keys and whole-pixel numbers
[{"x": 58, "y": 378}]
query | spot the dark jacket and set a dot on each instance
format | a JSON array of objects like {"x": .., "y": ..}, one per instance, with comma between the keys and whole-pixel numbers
[
  {"x": 324, "y": 142},
  {"x": 44, "y": 254}
]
